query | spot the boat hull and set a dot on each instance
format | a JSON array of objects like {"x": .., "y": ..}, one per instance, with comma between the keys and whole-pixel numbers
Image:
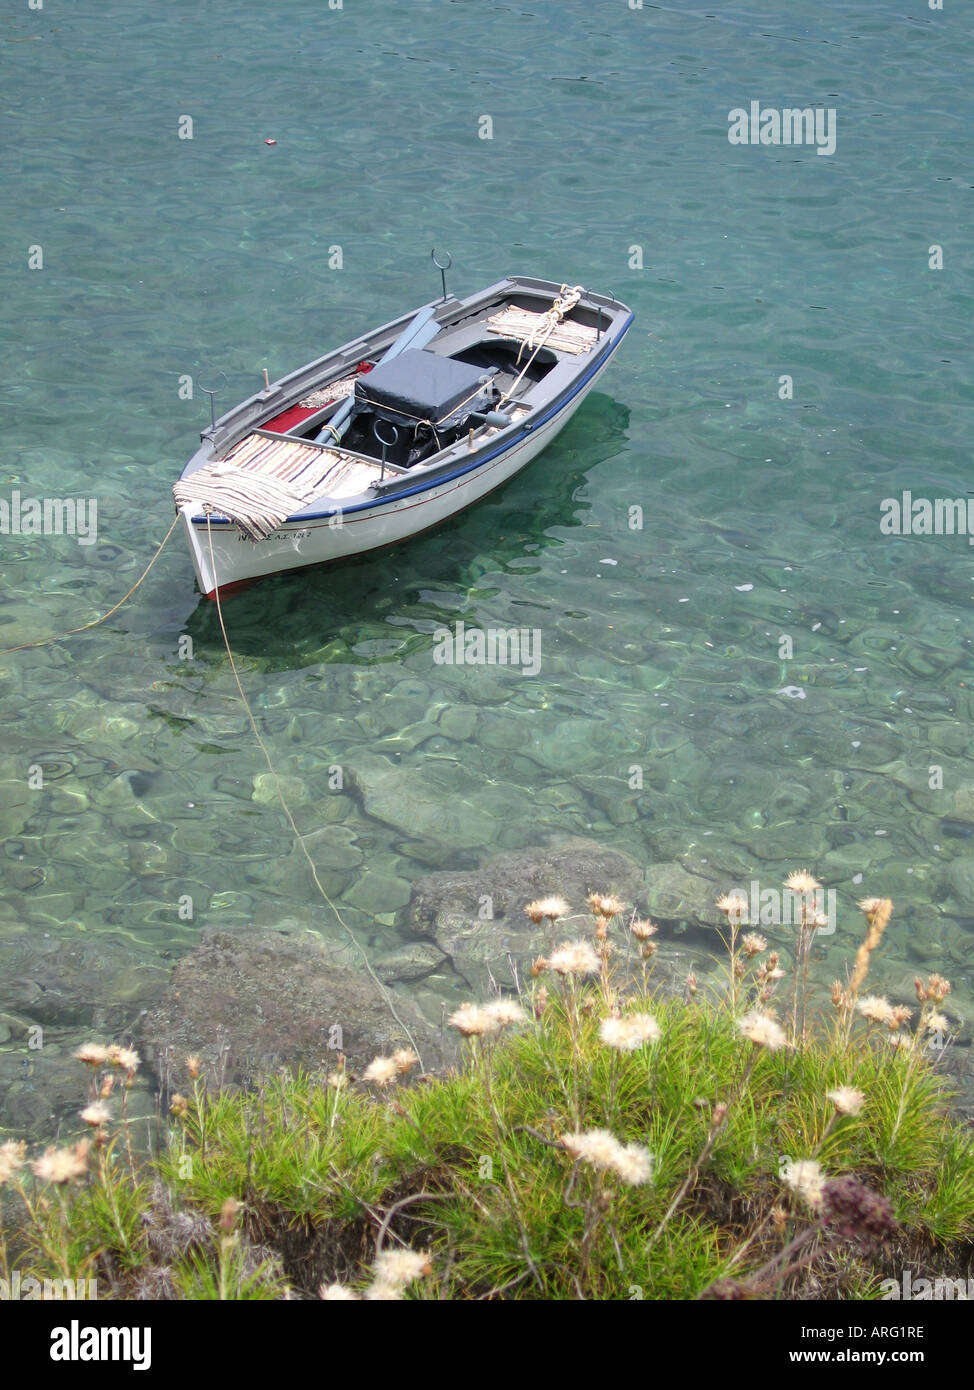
[{"x": 223, "y": 557}]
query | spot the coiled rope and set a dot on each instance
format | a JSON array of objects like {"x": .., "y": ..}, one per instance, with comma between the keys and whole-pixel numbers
[{"x": 564, "y": 304}]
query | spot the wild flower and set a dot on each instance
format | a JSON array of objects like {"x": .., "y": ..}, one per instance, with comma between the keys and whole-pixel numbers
[
  {"x": 801, "y": 881},
  {"x": 538, "y": 966},
  {"x": 629, "y": 1033},
  {"x": 937, "y": 988},
  {"x": 574, "y": 958},
  {"x": 178, "y": 1106},
  {"x": 876, "y": 1009},
  {"x": 870, "y": 906},
  {"x": 472, "y": 1021},
  {"x": 763, "y": 1030},
  {"x": 96, "y": 1114},
  {"x": 62, "y": 1165},
  {"x": 193, "y": 1067},
  {"x": 854, "y": 1211},
  {"x": 381, "y": 1071},
  {"x": 92, "y": 1054},
  {"x": 937, "y": 1023},
  {"x": 126, "y": 1058},
  {"x": 400, "y": 1267},
  {"x": 605, "y": 905},
  {"x": 600, "y": 1148},
  {"x": 805, "y": 1177},
  {"x": 733, "y": 904},
  {"x": 337, "y": 1293},
  {"x": 642, "y": 928},
  {"x": 900, "y": 1040},
  {"x": 505, "y": 1012},
  {"x": 847, "y": 1100},
  {"x": 405, "y": 1059},
  {"x": 546, "y": 908},
  {"x": 229, "y": 1212},
  {"x": 752, "y": 944},
  {"x": 901, "y": 1015},
  {"x": 11, "y": 1158},
  {"x": 337, "y": 1079},
  {"x": 382, "y": 1293}
]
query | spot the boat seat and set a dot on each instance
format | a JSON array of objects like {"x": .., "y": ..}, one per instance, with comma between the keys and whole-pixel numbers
[{"x": 420, "y": 385}]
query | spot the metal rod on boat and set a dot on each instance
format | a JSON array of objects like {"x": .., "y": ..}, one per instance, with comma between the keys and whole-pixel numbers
[
  {"x": 267, "y": 381},
  {"x": 598, "y": 333},
  {"x": 386, "y": 443},
  {"x": 442, "y": 268},
  {"x": 211, "y": 393}
]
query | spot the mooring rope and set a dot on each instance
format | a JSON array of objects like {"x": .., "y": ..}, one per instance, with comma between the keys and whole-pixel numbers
[
  {"x": 566, "y": 301},
  {"x": 46, "y": 641},
  {"x": 287, "y": 810}
]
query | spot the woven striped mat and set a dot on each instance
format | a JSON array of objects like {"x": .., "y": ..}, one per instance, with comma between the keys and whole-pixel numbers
[
  {"x": 521, "y": 324},
  {"x": 263, "y": 481}
]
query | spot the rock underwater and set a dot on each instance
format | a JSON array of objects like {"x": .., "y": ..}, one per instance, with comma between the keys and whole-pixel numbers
[
  {"x": 477, "y": 917},
  {"x": 248, "y": 1002}
]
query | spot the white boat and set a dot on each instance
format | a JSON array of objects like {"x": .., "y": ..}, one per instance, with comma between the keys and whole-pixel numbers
[{"x": 395, "y": 432}]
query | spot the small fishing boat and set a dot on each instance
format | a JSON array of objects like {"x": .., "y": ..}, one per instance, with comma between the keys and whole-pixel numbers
[{"x": 394, "y": 432}]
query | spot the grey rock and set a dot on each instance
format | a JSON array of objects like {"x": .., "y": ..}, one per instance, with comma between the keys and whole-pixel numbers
[
  {"x": 375, "y": 892},
  {"x": 248, "y": 1002},
  {"x": 675, "y": 895},
  {"x": 413, "y": 960},
  {"x": 89, "y": 979},
  {"x": 431, "y": 805},
  {"x": 961, "y": 875},
  {"x": 449, "y": 907}
]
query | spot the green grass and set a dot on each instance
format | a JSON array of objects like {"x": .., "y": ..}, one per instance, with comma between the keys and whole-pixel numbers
[{"x": 298, "y": 1184}]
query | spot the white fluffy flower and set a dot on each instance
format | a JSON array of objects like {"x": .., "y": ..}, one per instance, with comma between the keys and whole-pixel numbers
[
  {"x": 600, "y": 1148},
  {"x": 380, "y": 1071},
  {"x": 805, "y": 1177},
  {"x": 876, "y": 1009},
  {"x": 847, "y": 1100},
  {"x": 628, "y": 1034},
  {"x": 400, "y": 1267},
  {"x": 505, "y": 1012},
  {"x": 574, "y": 958},
  {"x": 763, "y": 1030}
]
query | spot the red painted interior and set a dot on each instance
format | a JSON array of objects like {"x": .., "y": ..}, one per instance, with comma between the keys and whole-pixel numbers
[{"x": 280, "y": 424}]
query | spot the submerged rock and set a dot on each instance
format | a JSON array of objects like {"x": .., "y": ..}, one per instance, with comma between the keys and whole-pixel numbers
[
  {"x": 92, "y": 979},
  {"x": 477, "y": 917},
  {"x": 435, "y": 806},
  {"x": 248, "y": 1002},
  {"x": 411, "y": 960},
  {"x": 674, "y": 894}
]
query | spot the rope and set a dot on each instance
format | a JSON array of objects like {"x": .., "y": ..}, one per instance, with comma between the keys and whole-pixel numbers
[
  {"x": 566, "y": 301},
  {"x": 45, "y": 641},
  {"x": 287, "y": 810}
]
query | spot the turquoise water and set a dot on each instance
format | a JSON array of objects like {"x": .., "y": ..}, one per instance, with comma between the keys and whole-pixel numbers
[{"x": 166, "y": 257}]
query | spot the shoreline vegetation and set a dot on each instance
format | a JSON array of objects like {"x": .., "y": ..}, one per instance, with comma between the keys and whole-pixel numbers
[{"x": 601, "y": 1139}]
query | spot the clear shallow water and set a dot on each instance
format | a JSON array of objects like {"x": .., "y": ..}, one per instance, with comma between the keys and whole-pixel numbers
[{"x": 165, "y": 257}]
